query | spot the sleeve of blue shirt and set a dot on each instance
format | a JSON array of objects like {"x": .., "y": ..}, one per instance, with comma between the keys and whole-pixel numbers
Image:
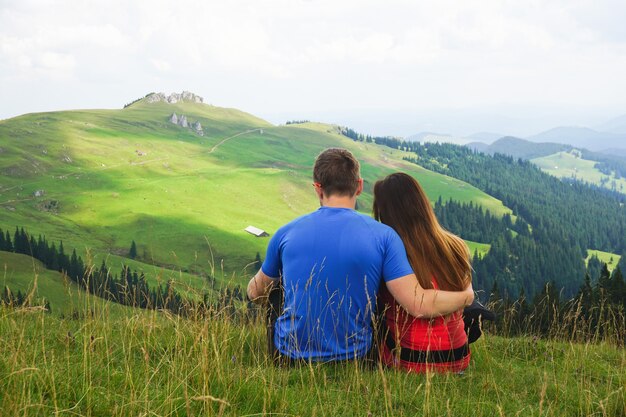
[
  {"x": 272, "y": 265},
  {"x": 396, "y": 263}
]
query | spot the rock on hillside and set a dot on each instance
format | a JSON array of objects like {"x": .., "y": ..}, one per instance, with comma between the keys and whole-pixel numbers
[
  {"x": 198, "y": 128},
  {"x": 182, "y": 122},
  {"x": 174, "y": 98}
]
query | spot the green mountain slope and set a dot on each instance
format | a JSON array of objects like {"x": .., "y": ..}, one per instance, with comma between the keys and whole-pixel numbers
[
  {"x": 99, "y": 179},
  {"x": 563, "y": 161},
  {"x": 572, "y": 166},
  {"x": 610, "y": 259},
  {"x": 29, "y": 276}
]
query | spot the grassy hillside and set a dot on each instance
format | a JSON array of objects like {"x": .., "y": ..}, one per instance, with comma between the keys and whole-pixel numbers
[
  {"x": 25, "y": 274},
  {"x": 610, "y": 259},
  {"x": 570, "y": 165},
  {"x": 112, "y": 176},
  {"x": 156, "y": 364},
  {"x": 482, "y": 248}
]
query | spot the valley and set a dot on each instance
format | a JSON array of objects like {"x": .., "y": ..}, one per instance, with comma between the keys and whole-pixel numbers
[{"x": 99, "y": 179}]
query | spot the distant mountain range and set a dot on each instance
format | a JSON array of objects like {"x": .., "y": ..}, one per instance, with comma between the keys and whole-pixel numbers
[
  {"x": 617, "y": 125},
  {"x": 519, "y": 148},
  {"x": 582, "y": 137},
  {"x": 486, "y": 137},
  {"x": 608, "y": 138},
  {"x": 437, "y": 137}
]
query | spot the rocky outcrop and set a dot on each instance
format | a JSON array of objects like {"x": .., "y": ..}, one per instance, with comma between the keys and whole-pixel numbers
[
  {"x": 198, "y": 128},
  {"x": 156, "y": 97},
  {"x": 173, "y": 98},
  {"x": 182, "y": 122},
  {"x": 50, "y": 206},
  {"x": 188, "y": 96}
]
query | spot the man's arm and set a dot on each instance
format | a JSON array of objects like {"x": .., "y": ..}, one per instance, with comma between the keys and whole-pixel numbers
[
  {"x": 423, "y": 303},
  {"x": 259, "y": 287}
]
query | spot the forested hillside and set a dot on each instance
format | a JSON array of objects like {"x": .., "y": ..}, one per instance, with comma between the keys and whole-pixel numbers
[
  {"x": 555, "y": 222},
  {"x": 565, "y": 219}
]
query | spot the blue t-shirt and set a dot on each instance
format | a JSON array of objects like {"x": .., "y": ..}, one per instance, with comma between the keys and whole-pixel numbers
[{"x": 331, "y": 262}]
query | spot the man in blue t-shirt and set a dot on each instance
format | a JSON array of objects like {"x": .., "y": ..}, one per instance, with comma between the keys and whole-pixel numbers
[{"x": 331, "y": 263}]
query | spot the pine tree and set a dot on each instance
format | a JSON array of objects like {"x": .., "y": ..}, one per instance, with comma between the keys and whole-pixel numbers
[
  {"x": 494, "y": 295},
  {"x": 522, "y": 312},
  {"x": 53, "y": 259},
  {"x": 617, "y": 288},
  {"x": 547, "y": 307},
  {"x": 62, "y": 259},
  {"x": 19, "y": 299},
  {"x": 604, "y": 281},
  {"x": 17, "y": 242},
  {"x": 8, "y": 245},
  {"x": 132, "y": 253},
  {"x": 585, "y": 297}
]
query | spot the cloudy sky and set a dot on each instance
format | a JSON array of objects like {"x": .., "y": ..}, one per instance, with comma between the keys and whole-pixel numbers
[{"x": 385, "y": 67}]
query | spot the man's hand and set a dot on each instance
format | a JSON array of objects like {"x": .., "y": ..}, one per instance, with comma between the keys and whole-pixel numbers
[{"x": 259, "y": 286}]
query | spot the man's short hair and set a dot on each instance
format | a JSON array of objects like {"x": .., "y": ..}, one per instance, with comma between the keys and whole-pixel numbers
[{"x": 337, "y": 171}]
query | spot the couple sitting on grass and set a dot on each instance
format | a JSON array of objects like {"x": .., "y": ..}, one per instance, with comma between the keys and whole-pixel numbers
[{"x": 335, "y": 271}]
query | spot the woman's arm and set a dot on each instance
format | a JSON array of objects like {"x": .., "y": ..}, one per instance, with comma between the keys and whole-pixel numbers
[{"x": 422, "y": 303}]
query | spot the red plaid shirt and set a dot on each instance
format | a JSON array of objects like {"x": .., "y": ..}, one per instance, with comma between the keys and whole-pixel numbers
[{"x": 441, "y": 333}]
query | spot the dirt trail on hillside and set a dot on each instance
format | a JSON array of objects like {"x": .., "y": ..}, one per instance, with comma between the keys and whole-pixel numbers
[{"x": 217, "y": 145}]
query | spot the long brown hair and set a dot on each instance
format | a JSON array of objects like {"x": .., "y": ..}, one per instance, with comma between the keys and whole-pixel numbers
[{"x": 433, "y": 252}]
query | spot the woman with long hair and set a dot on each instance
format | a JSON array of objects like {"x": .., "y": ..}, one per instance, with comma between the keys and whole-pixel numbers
[{"x": 440, "y": 260}]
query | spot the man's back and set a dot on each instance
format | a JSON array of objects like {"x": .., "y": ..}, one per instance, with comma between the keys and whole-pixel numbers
[{"x": 331, "y": 262}]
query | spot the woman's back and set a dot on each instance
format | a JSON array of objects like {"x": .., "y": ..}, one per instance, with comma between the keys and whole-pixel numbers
[
  {"x": 439, "y": 259},
  {"x": 438, "y": 345}
]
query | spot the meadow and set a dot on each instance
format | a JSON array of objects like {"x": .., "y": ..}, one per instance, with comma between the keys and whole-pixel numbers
[
  {"x": 152, "y": 363},
  {"x": 610, "y": 259},
  {"x": 569, "y": 166},
  {"x": 108, "y": 177},
  {"x": 91, "y": 357}
]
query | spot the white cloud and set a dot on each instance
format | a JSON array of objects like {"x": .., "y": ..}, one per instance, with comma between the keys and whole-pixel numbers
[
  {"x": 161, "y": 65},
  {"x": 294, "y": 54},
  {"x": 57, "y": 62}
]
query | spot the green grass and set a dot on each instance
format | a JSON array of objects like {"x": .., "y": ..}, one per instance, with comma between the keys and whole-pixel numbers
[
  {"x": 610, "y": 259},
  {"x": 569, "y": 165},
  {"x": 187, "y": 199},
  {"x": 482, "y": 248},
  {"x": 25, "y": 274},
  {"x": 156, "y": 364}
]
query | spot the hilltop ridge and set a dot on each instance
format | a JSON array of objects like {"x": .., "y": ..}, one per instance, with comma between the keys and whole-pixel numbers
[{"x": 174, "y": 97}]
